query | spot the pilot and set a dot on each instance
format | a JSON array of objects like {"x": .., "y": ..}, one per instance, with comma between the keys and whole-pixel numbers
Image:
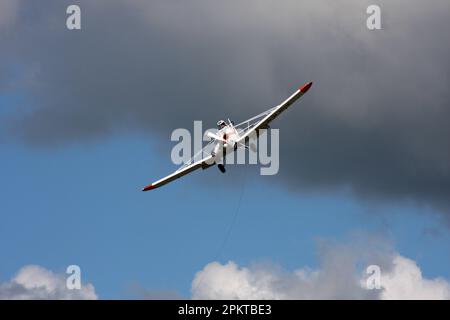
[{"x": 221, "y": 124}]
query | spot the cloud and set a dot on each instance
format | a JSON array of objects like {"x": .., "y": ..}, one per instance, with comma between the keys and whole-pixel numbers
[
  {"x": 375, "y": 120},
  {"x": 8, "y": 12},
  {"x": 139, "y": 292},
  {"x": 337, "y": 277},
  {"x": 406, "y": 281},
  {"x": 35, "y": 282}
]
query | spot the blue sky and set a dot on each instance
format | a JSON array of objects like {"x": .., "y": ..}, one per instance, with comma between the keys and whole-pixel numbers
[{"x": 82, "y": 204}]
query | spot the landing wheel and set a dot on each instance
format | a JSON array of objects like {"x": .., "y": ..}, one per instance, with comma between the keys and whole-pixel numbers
[{"x": 221, "y": 168}]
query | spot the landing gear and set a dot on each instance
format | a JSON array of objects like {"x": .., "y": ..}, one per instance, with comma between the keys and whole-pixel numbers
[{"x": 221, "y": 168}]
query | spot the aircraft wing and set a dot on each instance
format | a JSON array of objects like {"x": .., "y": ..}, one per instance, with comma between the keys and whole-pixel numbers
[
  {"x": 184, "y": 170},
  {"x": 270, "y": 115}
]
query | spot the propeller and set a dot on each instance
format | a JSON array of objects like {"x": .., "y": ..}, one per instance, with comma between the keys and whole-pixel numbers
[{"x": 215, "y": 136}]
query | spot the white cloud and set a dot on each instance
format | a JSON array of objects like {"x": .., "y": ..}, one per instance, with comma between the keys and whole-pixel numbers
[
  {"x": 337, "y": 277},
  {"x": 229, "y": 281},
  {"x": 35, "y": 282},
  {"x": 405, "y": 281}
]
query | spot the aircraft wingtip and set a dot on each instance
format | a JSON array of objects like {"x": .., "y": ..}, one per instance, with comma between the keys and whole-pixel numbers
[
  {"x": 149, "y": 187},
  {"x": 305, "y": 87}
]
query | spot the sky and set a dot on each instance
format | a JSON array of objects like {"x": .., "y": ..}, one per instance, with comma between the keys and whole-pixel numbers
[{"x": 85, "y": 122}]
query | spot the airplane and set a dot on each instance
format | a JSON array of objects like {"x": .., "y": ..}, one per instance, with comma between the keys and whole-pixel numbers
[{"x": 228, "y": 138}]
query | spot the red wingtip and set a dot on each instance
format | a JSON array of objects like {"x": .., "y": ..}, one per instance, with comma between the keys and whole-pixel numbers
[
  {"x": 149, "y": 187},
  {"x": 305, "y": 87}
]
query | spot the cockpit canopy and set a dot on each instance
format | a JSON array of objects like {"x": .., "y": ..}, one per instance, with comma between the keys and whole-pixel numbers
[{"x": 221, "y": 124}]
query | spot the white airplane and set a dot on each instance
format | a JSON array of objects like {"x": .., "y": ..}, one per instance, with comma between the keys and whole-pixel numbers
[{"x": 228, "y": 138}]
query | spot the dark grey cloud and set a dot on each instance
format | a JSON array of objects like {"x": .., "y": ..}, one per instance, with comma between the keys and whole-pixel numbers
[{"x": 375, "y": 121}]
